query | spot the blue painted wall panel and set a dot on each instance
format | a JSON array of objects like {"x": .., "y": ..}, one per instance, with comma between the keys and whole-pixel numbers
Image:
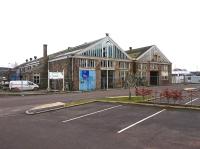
[{"x": 87, "y": 80}]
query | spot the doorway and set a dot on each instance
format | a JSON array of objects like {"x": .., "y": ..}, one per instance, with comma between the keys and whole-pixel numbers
[
  {"x": 104, "y": 79},
  {"x": 154, "y": 78}
]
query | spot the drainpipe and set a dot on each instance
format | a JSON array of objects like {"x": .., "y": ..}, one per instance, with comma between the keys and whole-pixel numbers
[
  {"x": 48, "y": 88},
  {"x": 63, "y": 80}
]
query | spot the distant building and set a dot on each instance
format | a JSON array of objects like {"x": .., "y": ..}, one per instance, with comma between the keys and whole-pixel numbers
[
  {"x": 151, "y": 64},
  {"x": 178, "y": 75},
  {"x": 4, "y": 75},
  {"x": 3, "y": 71},
  {"x": 195, "y": 73},
  {"x": 34, "y": 69}
]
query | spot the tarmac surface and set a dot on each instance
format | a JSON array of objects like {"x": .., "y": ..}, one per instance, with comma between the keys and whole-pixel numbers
[{"x": 97, "y": 126}]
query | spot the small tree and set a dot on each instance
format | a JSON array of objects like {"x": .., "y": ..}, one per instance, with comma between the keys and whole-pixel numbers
[
  {"x": 134, "y": 81},
  {"x": 131, "y": 82}
]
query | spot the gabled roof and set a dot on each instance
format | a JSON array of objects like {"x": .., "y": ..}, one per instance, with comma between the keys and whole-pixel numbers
[
  {"x": 135, "y": 53},
  {"x": 74, "y": 49},
  {"x": 28, "y": 63},
  {"x": 4, "y": 68},
  {"x": 83, "y": 46},
  {"x": 77, "y": 50}
]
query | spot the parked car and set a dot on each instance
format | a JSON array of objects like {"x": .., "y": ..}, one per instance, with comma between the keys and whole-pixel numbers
[{"x": 22, "y": 85}]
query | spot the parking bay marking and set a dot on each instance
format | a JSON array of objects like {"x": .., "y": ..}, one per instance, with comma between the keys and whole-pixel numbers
[
  {"x": 141, "y": 120},
  {"x": 75, "y": 118},
  {"x": 150, "y": 117},
  {"x": 191, "y": 101}
]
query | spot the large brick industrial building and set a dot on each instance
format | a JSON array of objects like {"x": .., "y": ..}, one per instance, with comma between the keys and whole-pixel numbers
[{"x": 99, "y": 64}]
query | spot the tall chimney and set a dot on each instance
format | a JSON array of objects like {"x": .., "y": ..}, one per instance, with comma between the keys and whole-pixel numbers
[
  {"x": 130, "y": 48},
  {"x": 44, "y": 50}
]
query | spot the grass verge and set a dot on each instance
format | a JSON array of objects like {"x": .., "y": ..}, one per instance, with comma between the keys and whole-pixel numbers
[
  {"x": 124, "y": 99},
  {"x": 120, "y": 99},
  {"x": 78, "y": 102},
  {"x": 138, "y": 100}
]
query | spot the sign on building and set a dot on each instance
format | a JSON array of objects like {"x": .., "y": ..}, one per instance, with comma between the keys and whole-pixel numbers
[{"x": 56, "y": 75}]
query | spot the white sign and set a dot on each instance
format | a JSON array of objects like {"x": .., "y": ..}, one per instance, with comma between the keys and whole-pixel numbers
[{"x": 56, "y": 75}]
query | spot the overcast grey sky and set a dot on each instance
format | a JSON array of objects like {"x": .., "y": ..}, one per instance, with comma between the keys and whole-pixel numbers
[{"x": 172, "y": 25}]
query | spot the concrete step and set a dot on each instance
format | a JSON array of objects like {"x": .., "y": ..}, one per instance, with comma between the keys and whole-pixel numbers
[{"x": 46, "y": 108}]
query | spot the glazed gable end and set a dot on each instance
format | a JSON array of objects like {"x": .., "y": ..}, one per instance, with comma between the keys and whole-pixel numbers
[
  {"x": 104, "y": 48},
  {"x": 153, "y": 54}
]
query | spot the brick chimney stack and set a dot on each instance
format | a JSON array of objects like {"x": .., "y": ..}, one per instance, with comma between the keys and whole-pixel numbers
[
  {"x": 44, "y": 50},
  {"x": 130, "y": 48}
]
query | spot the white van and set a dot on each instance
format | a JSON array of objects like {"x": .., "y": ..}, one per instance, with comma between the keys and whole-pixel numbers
[{"x": 22, "y": 85}]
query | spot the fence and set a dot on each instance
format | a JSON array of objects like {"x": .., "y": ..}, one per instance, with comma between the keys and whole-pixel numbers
[{"x": 185, "y": 79}]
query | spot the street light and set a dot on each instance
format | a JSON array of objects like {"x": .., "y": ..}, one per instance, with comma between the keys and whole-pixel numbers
[
  {"x": 107, "y": 63},
  {"x": 107, "y": 48}
]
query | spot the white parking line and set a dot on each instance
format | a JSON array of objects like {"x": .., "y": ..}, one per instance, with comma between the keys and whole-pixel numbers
[
  {"x": 75, "y": 118},
  {"x": 150, "y": 117},
  {"x": 191, "y": 101},
  {"x": 142, "y": 120}
]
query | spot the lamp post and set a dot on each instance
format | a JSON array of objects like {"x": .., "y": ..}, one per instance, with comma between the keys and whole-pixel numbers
[{"x": 107, "y": 63}]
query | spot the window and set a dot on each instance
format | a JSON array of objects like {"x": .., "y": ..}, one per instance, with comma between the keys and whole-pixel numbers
[
  {"x": 104, "y": 52},
  {"x": 144, "y": 66},
  {"x": 164, "y": 75},
  {"x": 110, "y": 64},
  {"x": 82, "y": 63},
  {"x": 30, "y": 83},
  {"x": 91, "y": 63},
  {"x": 154, "y": 67},
  {"x": 165, "y": 68},
  {"x": 123, "y": 74},
  {"x": 155, "y": 58},
  {"x": 139, "y": 66},
  {"x": 144, "y": 74},
  {"x": 36, "y": 78},
  {"x": 123, "y": 65},
  {"x": 110, "y": 53},
  {"x": 104, "y": 64}
]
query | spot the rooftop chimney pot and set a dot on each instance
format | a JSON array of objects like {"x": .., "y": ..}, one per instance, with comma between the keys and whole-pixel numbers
[{"x": 107, "y": 34}]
